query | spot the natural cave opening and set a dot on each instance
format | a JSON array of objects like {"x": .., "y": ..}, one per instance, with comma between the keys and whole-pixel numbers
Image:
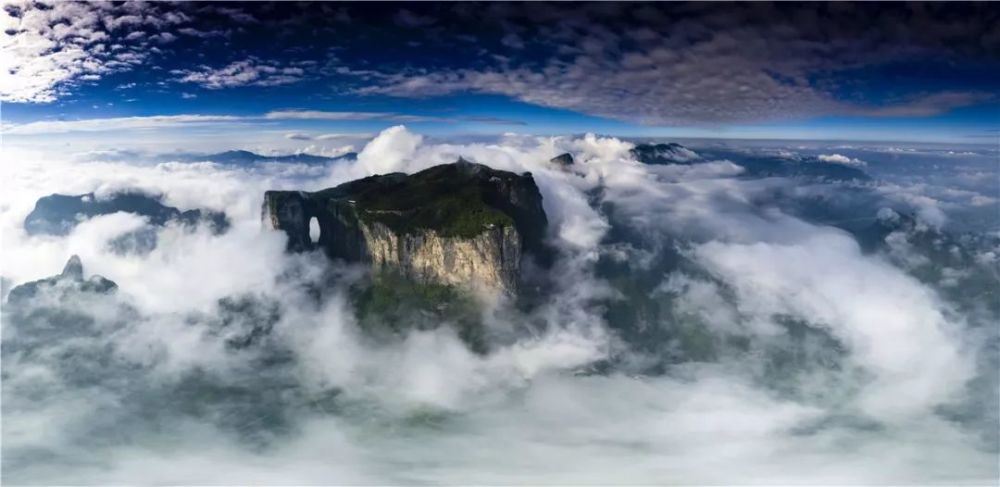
[{"x": 314, "y": 231}]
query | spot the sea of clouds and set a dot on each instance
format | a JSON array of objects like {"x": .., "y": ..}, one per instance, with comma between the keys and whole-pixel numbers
[{"x": 898, "y": 387}]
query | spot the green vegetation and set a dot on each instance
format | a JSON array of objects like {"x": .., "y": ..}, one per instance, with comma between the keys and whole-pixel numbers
[
  {"x": 390, "y": 304},
  {"x": 460, "y": 215},
  {"x": 453, "y": 199}
]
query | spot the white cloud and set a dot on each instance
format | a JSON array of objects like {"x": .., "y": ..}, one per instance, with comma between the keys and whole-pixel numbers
[
  {"x": 120, "y": 123},
  {"x": 924, "y": 106},
  {"x": 322, "y": 137},
  {"x": 704, "y": 67},
  {"x": 322, "y": 115},
  {"x": 389, "y": 151},
  {"x": 50, "y": 47},
  {"x": 189, "y": 31},
  {"x": 249, "y": 72},
  {"x": 898, "y": 330},
  {"x": 329, "y": 115},
  {"x": 163, "y": 121},
  {"x": 326, "y": 151},
  {"x": 841, "y": 159},
  {"x": 417, "y": 409}
]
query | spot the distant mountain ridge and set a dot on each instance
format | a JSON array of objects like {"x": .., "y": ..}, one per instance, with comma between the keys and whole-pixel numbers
[
  {"x": 670, "y": 153},
  {"x": 58, "y": 214},
  {"x": 755, "y": 165},
  {"x": 244, "y": 157}
]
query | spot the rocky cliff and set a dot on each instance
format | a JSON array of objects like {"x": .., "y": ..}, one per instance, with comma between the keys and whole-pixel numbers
[
  {"x": 69, "y": 283},
  {"x": 58, "y": 214},
  {"x": 460, "y": 224},
  {"x": 671, "y": 153}
]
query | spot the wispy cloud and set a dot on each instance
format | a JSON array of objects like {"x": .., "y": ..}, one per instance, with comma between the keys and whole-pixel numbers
[
  {"x": 335, "y": 116},
  {"x": 323, "y": 115},
  {"x": 924, "y": 106},
  {"x": 248, "y": 72},
  {"x": 49, "y": 48},
  {"x": 841, "y": 159},
  {"x": 702, "y": 66},
  {"x": 168, "y": 121},
  {"x": 409, "y": 19},
  {"x": 324, "y": 137},
  {"x": 117, "y": 123}
]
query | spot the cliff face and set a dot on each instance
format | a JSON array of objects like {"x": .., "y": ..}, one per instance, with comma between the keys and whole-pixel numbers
[
  {"x": 64, "y": 285},
  {"x": 671, "y": 153},
  {"x": 58, "y": 214},
  {"x": 459, "y": 224},
  {"x": 490, "y": 260}
]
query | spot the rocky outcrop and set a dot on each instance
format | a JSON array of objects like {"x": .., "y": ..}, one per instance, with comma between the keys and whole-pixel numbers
[
  {"x": 756, "y": 165},
  {"x": 490, "y": 259},
  {"x": 562, "y": 160},
  {"x": 671, "y": 153},
  {"x": 58, "y": 214},
  {"x": 459, "y": 224},
  {"x": 65, "y": 284}
]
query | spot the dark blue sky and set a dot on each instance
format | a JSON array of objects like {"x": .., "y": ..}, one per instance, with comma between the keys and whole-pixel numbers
[{"x": 307, "y": 71}]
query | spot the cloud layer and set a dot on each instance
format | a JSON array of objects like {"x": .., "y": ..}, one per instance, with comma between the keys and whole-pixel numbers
[
  {"x": 674, "y": 65},
  {"x": 656, "y": 64},
  {"x": 52, "y": 47},
  {"x": 816, "y": 343}
]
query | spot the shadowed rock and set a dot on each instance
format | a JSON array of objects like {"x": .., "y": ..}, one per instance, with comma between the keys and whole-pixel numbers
[
  {"x": 671, "y": 153},
  {"x": 455, "y": 224},
  {"x": 247, "y": 158},
  {"x": 58, "y": 214},
  {"x": 73, "y": 268},
  {"x": 68, "y": 282},
  {"x": 564, "y": 160},
  {"x": 754, "y": 165}
]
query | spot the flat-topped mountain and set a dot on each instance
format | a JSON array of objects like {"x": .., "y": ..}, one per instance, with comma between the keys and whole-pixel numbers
[
  {"x": 670, "y": 153},
  {"x": 755, "y": 165},
  {"x": 460, "y": 224},
  {"x": 58, "y": 214}
]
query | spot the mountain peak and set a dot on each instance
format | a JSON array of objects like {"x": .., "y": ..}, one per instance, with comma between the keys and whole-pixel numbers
[
  {"x": 461, "y": 223},
  {"x": 565, "y": 159},
  {"x": 73, "y": 268}
]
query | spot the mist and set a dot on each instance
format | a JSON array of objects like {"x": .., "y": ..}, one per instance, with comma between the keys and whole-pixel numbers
[{"x": 704, "y": 325}]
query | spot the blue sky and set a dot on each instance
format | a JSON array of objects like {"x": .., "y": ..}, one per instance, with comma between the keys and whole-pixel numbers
[{"x": 287, "y": 76}]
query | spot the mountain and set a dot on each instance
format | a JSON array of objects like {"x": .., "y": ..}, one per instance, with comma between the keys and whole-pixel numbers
[
  {"x": 562, "y": 160},
  {"x": 58, "y": 214},
  {"x": 755, "y": 165},
  {"x": 671, "y": 153},
  {"x": 69, "y": 282},
  {"x": 767, "y": 166},
  {"x": 242, "y": 157},
  {"x": 462, "y": 224}
]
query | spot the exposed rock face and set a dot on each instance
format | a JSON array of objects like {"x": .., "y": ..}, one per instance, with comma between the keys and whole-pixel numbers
[
  {"x": 562, "y": 160},
  {"x": 672, "y": 153},
  {"x": 754, "y": 165},
  {"x": 490, "y": 259},
  {"x": 57, "y": 214},
  {"x": 459, "y": 224},
  {"x": 70, "y": 281}
]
